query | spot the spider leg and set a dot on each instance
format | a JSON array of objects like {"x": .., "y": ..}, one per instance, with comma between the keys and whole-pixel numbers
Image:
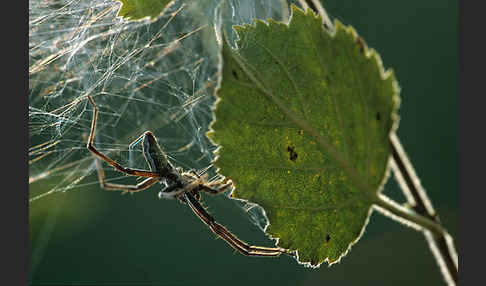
[
  {"x": 230, "y": 238},
  {"x": 92, "y": 148},
  {"x": 217, "y": 187},
  {"x": 119, "y": 187},
  {"x": 194, "y": 172}
]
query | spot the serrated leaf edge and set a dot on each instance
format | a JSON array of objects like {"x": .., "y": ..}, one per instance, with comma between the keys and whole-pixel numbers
[{"x": 370, "y": 54}]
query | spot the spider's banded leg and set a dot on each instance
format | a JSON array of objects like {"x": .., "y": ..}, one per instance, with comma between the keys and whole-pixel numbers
[
  {"x": 119, "y": 187},
  {"x": 91, "y": 147},
  {"x": 230, "y": 238},
  {"x": 194, "y": 172},
  {"x": 215, "y": 188}
]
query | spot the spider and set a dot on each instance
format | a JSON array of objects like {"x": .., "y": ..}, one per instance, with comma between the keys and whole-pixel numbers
[{"x": 184, "y": 186}]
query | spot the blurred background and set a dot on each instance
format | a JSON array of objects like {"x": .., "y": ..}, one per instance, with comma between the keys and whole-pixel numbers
[{"x": 155, "y": 77}]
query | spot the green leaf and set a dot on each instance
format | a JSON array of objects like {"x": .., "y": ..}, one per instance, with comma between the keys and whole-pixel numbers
[
  {"x": 303, "y": 121},
  {"x": 139, "y": 9}
]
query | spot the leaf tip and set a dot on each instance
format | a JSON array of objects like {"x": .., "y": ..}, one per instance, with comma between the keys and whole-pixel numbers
[{"x": 140, "y": 10}]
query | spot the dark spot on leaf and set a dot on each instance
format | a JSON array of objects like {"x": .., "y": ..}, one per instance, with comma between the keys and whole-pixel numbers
[
  {"x": 360, "y": 43},
  {"x": 301, "y": 132},
  {"x": 378, "y": 116},
  {"x": 328, "y": 237},
  {"x": 292, "y": 154},
  {"x": 235, "y": 75}
]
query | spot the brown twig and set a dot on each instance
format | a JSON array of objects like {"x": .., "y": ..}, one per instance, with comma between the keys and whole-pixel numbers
[{"x": 445, "y": 252}]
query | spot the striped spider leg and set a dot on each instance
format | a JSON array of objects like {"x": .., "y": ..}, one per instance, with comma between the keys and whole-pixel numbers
[{"x": 184, "y": 186}]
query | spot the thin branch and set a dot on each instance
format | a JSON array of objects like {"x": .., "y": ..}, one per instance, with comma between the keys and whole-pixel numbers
[
  {"x": 442, "y": 244},
  {"x": 316, "y": 6}
]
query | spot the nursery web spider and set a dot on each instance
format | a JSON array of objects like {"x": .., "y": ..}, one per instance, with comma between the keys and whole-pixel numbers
[{"x": 185, "y": 186}]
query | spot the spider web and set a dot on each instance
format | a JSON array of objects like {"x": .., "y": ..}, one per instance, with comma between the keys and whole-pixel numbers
[{"x": 155, "y": 74}]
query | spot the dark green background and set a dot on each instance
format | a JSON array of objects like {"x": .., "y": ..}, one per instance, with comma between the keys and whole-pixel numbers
[{"x": 95, "y": 237}]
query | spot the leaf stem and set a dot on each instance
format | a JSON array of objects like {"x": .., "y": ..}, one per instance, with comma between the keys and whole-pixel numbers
[
  {"x": 439, "y": 240},
  {"x": 401, "y": 213}
]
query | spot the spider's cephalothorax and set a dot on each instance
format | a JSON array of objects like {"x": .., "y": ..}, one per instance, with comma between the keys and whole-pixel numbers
[{"x": 185, "y": 186}]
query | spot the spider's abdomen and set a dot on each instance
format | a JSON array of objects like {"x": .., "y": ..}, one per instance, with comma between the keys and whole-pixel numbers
[{"x": 155, "y": 156}]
